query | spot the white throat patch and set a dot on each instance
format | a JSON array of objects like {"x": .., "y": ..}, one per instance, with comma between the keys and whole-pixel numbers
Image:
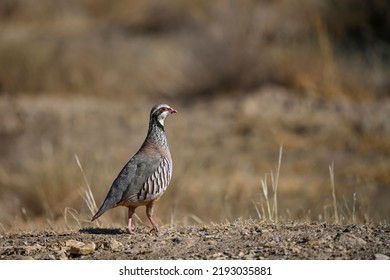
[{"x": 162, "y": 116}]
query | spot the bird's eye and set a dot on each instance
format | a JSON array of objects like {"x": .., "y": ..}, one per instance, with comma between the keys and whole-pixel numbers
[{"x": 164, "y": 109}]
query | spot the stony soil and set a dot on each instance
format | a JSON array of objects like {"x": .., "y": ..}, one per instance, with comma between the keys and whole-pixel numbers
[{"x": 240, "y": 240}]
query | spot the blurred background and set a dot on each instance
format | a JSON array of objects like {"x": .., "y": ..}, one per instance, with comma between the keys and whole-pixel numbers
[{"x": 79, "y": 77}]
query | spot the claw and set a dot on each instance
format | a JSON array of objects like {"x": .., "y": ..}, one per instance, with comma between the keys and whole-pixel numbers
[{"x": 156, "y": 231}]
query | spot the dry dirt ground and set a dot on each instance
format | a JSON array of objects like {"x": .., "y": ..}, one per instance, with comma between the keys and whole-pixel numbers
[{"x": 239, "y": 240}]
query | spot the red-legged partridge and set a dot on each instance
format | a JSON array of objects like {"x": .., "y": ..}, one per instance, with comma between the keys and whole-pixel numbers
[{"x": 146, "y": 176}]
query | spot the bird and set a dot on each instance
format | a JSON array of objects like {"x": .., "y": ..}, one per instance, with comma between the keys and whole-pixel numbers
[{"x": 146, "y": 176}]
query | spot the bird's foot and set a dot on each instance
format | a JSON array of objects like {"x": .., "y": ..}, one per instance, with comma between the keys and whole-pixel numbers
[
  {"x": 129, "y": 230},
  {"x": 155, "y": 230}
]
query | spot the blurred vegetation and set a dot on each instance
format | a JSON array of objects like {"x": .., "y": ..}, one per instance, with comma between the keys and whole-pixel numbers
[
  {"x": 182, "y": 47},
  {"x": 311, "y": 75}
]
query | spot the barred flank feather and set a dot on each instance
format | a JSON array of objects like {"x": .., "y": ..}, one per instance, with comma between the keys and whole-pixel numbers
[{"x": 156, "y": 184}]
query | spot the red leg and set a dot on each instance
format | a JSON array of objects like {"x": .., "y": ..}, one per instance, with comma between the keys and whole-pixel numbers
[
  {"x": 149, "y": 213},
  {"x": 130, "y": 216}
]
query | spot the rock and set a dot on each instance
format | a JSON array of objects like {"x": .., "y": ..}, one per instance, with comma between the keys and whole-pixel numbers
[
  {"x": 24, "y": 258},
  {"x": 381, "y": 257},
  {"x": 217, "y": 256},
  {"x": 315, "y": 243},
  {"x": 80, "y": 248},
  {"x": 83, "y": 250},
  {"x": 63, "y": 257},
  {"x": 350, "y": 240},
  {"x": 271, "y": 244},
  {"x": 33, "y": 249},
  {"x": 296, "y": 249},
  {"x": 72, "y": 242},
  {"x": 115, "y": 245},
  {"x": 61, "y": 254},
  {"x": 249, "y": 257}
]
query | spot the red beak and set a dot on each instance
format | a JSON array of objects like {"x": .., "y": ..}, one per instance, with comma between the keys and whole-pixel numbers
[{"x": 172, "y": 111}]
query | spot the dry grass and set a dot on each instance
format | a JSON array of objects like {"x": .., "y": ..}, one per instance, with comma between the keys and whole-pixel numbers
[
  {"x": 87, "y": 192},
  {"x": 333, "y": 188},
  {"x": 272, "y": 214},
  {"x": 79, "y": 78}
]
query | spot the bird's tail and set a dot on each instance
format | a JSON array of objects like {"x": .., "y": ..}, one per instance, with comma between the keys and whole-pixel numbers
[
  {"x": 107, "y": 205},
  {"x": 98, "y": 214},
  {"x": 113, "y": 198}
]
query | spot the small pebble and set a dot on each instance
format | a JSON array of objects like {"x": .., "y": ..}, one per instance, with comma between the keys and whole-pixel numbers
[{"x": 381, "y": 257}]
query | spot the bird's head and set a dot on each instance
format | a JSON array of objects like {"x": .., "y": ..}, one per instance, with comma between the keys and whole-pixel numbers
[{"x": 160, "y": 112}]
